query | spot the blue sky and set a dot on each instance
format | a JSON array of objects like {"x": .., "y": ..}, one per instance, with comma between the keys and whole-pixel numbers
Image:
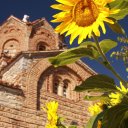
[{"x": 41, "y": 8}]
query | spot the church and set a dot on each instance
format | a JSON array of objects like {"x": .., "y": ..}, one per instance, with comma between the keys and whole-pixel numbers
[{"x": 28, "y": 80}]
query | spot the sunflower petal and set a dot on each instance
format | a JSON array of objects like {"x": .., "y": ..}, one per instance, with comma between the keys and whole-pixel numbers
[
  {"x": 61, "y": 7},
  {"x": 61, "y": 15},
  {"x": 103, "y": 27},
  {"x": 82, "y": 36},
  {"x": 66, "y": 2},
  {"x": 72, "y": 29},
  {"x": 75, "y": 34},
  {"x": 62, "y": 26}
]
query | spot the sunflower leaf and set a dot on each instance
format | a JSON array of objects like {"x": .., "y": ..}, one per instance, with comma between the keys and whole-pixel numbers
[
  {"x": 101, "y": 83},
  {"x": 70, "y": 56},
  {"x": 92, "y": 123},
  {"x": 107, "y": 44},
  {"x": 73, "y": 126},
  {"x": 92, "y": 45},
  {"x": 122, "y": 5},
  {"x": 115, "y": 116},
  {"x": 93, "y": 98}
]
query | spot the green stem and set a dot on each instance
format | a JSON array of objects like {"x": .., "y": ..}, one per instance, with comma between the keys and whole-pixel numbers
[{"x": 107, "y": 62}]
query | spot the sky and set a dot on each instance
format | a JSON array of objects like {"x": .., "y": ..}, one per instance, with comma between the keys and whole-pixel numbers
[{"x": 41, "y": 8}]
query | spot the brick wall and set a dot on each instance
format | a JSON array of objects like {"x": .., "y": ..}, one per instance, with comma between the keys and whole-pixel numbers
[{"x": 21, "y": 110}]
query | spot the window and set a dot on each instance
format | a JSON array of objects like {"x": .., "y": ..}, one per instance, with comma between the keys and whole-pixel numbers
[
  {"x": 55, "y": 88},
  {"x": 61, "y": 88},
  {"x": 41, "y": 46},
  {"x": 11, "y": 47},
  {"x": 65, "y": 90}
]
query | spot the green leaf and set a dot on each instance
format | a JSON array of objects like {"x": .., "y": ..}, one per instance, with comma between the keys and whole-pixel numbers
[
  {"x": 122, "y": 5},
  {"x": 116, "y": 27},
  {"x": 73, "y": 126},
  {"x": 124, "y": 123},
  {"x": 86, "y": 49},
  {"x": 93, "y": 98},
  {"x": 92, "y": 123},
  {"x": 99, "y": 82},
  {"x": 107, "y": 44},
  {"x": 115, "y": 116},
  {"x": 70, "y": 56},
  {"x": 92, "y": 45}
]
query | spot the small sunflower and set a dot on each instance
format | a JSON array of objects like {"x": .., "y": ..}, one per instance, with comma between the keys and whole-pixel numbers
[
  {"x": 82, "y": 17},
  {"x": 95, "y": 108},
  {"x": 52, "y": 117},
  {"x": 116, "y": 98}
]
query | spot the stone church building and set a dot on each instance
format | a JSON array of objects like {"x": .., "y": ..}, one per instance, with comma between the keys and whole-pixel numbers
[{"x": 28, "y": 80}]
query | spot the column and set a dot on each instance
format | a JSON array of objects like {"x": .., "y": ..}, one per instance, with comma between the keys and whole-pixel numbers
[{"x": 60, "y": 89}]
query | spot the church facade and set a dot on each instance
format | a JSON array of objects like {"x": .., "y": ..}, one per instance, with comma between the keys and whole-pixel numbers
[{"x": 28, "y": 80}]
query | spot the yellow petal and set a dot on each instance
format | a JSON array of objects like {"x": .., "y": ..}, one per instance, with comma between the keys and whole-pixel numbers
[
  {"x": 114, "y": 11},
  {"x": 65, "y": 2},
  {"x": 61, "y": 7},
  {"x": 61, "y": 15},
  {"x": 108, "y": 20},
  {"x": 82, "y": 36},
  {"x": 62, "y": 26},
  {"x": 73, "y": 29},
  {"x": 75, "y": 34},
  {"x": 67, "y": 17}
]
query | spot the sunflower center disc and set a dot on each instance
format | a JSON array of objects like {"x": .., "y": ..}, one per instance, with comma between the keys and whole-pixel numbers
[{"x": 85, "y": 13}]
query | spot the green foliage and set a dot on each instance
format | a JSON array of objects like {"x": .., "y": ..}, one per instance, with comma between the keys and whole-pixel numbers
[
  {"x": 99, "y": 82},
  {"x": 107, "y": 44},
  {"x": 70, "y": 56},
  {"x": 93, "y": 98},
  {"x": 116, "y": 117},
  {"x": 86, "y": 49},
  {"x": 73, "y": 126},
  {"x": 122, "y": 5},
  {"x": 92, "y": 123},
  {"x": 59, "y": 123}
]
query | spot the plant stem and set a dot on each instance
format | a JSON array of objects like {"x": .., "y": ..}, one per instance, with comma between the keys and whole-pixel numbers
[{"x": 108, "y": 66}]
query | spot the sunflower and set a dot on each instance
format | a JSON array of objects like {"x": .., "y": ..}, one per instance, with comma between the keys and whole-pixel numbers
[
  {"x": 116, "y": 98},
  {"x": 52, "y": 117},
  {"x": 95, "y": 108},
  {"x": 82, "y": 17}
]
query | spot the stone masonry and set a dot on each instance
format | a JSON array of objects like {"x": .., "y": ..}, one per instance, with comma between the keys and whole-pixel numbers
[{"x": 28, "y": 80}]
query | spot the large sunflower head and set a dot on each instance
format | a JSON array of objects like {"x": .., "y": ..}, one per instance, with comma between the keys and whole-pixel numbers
[{"x": 82, "y": 17}]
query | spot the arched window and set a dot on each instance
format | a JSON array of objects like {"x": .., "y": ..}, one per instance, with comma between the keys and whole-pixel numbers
[
  {"x": 61, "y": 88},
  {"x": 41, "y": 46},
  {"x": 11, "y": 47}
]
